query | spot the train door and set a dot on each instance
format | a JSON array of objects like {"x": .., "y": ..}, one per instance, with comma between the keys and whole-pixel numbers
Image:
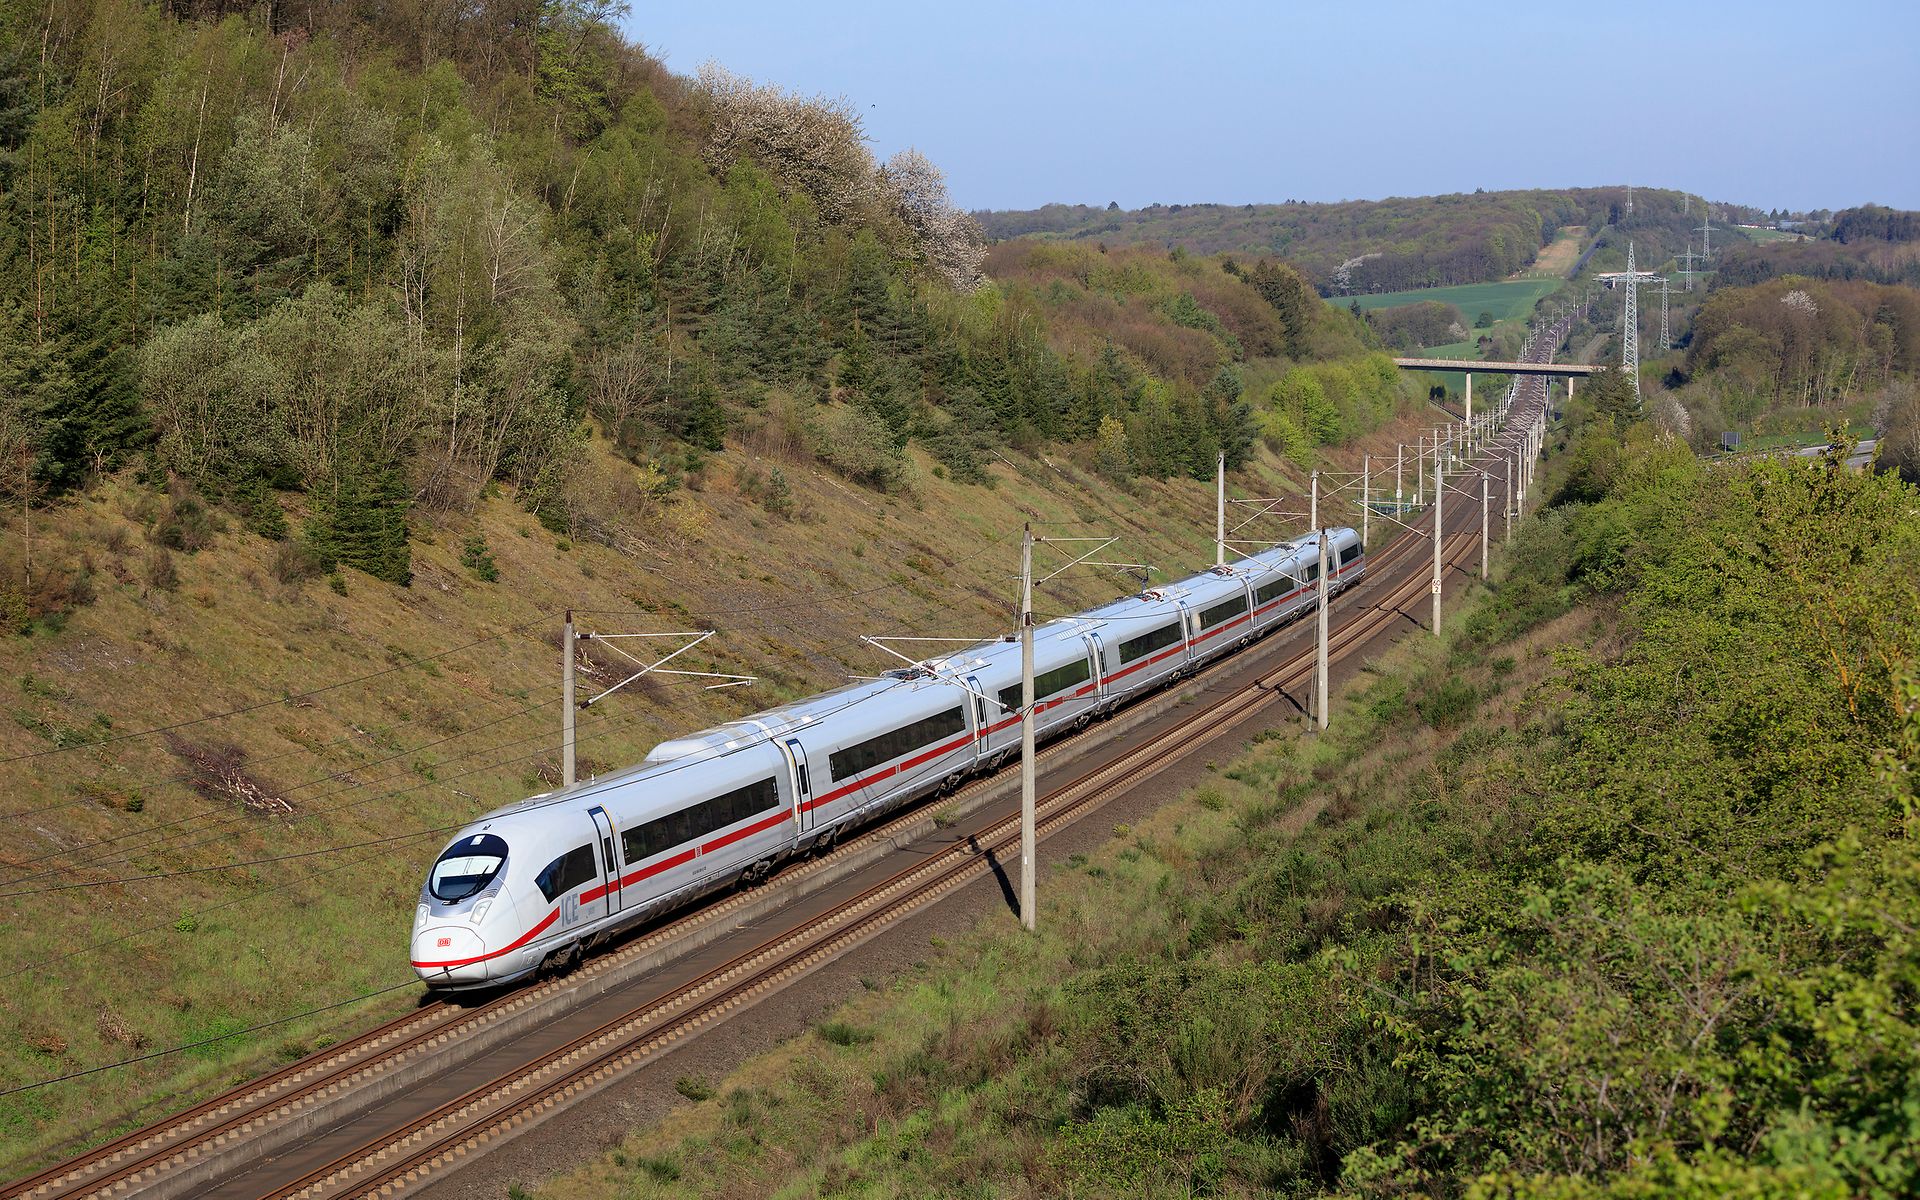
[
  {"x": 609, "y": 862},
  {"x": 796, "y": 756},
  {"x": 1189, "y": 625},
  {"x": 982, "y": 719},
  {"x": 1099, "y": 650}
]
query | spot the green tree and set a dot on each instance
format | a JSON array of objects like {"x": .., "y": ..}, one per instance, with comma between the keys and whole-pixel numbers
[{"x": 362, "y": 523}]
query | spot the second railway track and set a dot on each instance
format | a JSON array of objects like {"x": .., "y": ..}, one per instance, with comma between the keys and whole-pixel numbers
[{"x": 302, "y": 1107}]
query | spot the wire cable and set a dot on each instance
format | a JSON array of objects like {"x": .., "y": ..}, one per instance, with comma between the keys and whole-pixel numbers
[
  {"x": 23, "y": 968},
  {"x": 223, "y": 1037},
  {"x": 224, "y": 810},
  {"x": 296, "y": 855},
  {"x": 263, "y": 704}
]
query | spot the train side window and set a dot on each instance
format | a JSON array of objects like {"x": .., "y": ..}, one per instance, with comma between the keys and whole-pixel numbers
[
  {"x": 567, "y": 872},
  {"x": 1047, "y": 683},
  {"x": 1223, "y": 611},
  {"x": 896, "y": 743},
  {"x": 698, "y": 820},
  {"x": 1273, "y": 591},
  {"x": 1147, "y": 643},
  {"x": 1349, "y": 554}
]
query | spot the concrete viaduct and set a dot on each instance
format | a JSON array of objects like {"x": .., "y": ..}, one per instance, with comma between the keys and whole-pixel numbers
[
  {"x": 1566, "y": 371},
  {"x": 1557, "y": 370}
]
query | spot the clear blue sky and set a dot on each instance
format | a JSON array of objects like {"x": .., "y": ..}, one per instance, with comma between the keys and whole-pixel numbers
[{"x": 1801, "y": 106}]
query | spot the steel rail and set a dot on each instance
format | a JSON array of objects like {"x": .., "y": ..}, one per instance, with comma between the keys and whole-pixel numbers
[
  {"x": 237, "y": 1113},
  {"x": 392, "y": 1162}
]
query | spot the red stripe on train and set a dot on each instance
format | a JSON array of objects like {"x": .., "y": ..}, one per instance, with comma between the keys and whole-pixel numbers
[
  {"x": 518, "y": 942},
  {"x": 887, "y": 772}
]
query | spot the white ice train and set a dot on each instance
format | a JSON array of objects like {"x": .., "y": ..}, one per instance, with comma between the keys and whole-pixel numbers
[{"x": 534, "y": 883}]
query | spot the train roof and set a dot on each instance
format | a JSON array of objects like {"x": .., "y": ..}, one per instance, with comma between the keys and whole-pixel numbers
[
  {"x": 760, "y": 726},
  {"x": 1277, "y": 556}
]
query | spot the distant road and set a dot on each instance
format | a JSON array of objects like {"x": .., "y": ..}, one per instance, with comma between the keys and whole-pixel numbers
[{"x": 1861, "y": 456}]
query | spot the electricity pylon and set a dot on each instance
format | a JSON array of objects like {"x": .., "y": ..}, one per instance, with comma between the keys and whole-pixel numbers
[{"x": 1630, "y": 326}]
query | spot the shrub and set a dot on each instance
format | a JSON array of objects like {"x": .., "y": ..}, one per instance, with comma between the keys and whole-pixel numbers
[
  {"x": 295, "y": 562},
  {"x": 185, "y": 525},
  {"x": 1449, "y": 704},
  {"x": 476, "y": 557},
  {"x": 14, "y": 617},
  {"x": 771, "y": 491},
  {"x": 839, "y": 1033},
  {"x": 363, "y": 523},
  {"x": 693, "y": 1088},
  {"x": 858, "y": 444},
  {"x": 162, "y": 574}
]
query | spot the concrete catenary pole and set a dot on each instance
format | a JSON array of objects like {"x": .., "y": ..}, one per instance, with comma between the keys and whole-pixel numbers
[
  {"x": 1220, "y": 511},
  {"x": 1027, "y": 913},
  {"x": 1439, "y": 493},
  {"x": 1420, "y": 470},
  {"x": 1399, "y": 460},
  {"x": 1320, "y": 657},
  {"x": 1313, "y": 505},
  {"x": 1366, "y": 497},
  {"x": 1506, "y": 500},
  {"x": 566, "y": 701},
  {"x": 1486, "y": 496},
  {"x": 1469, "y": 416}
]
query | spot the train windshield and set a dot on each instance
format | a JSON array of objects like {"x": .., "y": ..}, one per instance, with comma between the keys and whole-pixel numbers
[{"x": 467, "y": 866}]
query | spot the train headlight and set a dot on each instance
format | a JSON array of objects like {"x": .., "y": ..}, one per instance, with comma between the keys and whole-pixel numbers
[
  {"x": 419, "y": 916},
  {"x": 480, "y": 909}
]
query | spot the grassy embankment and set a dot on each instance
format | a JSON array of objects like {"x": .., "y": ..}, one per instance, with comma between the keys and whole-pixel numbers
[
  {"x": 971, "y": 1075},
  {"x": 1484, "y": 939}
]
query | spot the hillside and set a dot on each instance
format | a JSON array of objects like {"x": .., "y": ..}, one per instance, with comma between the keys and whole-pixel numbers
[
  {"x": 486, "y": 234},
  {"x": 1870, "y": 243},
  {"x": 338, "y": 356},
  {"x": 251, "y": 867}
]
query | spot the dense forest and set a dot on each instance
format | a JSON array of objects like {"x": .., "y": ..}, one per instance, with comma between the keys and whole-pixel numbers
[
  {"x": 328, "y": 267},
  {"x": 1311, "y": 375},
  {"x": 1481, "y": 940}
]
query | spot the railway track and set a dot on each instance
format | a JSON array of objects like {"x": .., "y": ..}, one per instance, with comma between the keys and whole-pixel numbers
[{"x": 299, "y": 1110}]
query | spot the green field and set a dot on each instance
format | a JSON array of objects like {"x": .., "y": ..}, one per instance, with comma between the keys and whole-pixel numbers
[
  {"x": 1508, "y": 300},
  {"x": 1754, "y": 234}
]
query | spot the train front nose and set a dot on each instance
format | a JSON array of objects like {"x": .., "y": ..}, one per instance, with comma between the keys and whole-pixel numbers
[{"x": 450, "y": 955}]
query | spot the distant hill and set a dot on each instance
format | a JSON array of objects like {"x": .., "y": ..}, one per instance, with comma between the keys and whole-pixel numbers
[
  {"x": 1879, "y": 245},
  {"x": 1366, "y": 246}
]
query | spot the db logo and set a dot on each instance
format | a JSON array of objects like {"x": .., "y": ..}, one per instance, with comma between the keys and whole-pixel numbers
[{"x": 443, "y": 943}]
